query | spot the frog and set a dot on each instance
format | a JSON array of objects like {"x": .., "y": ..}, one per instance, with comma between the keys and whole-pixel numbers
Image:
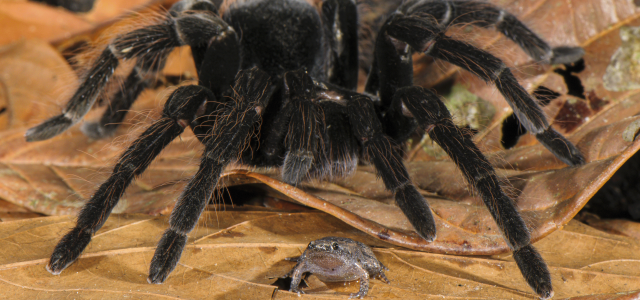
[{"x": 335, "y": 259}]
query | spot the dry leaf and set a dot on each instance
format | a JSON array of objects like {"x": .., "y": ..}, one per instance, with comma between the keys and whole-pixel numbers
[
  {"x": 46, "y": 177},
  {"x": 592, "y": 24},
  {"x": 238, "y": 255},
  {"x": 22, "y": 19},
  {"x": 55, "y": 176}
]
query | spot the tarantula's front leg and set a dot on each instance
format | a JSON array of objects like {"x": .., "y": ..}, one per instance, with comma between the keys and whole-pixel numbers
[
  {"x": 434, "y": 117},
  {"x": 423, "y": 35},
  {"x": 149, "y": 46},
  {"x": 178, "y": 112},
  {"x": 381, "y": 151},
  {"x": 235, "y": 123}
]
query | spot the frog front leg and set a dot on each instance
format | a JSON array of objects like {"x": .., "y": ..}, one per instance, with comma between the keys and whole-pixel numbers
[
  {"x": 296, "y": 276},
  {"x": 364, "y": 283}
]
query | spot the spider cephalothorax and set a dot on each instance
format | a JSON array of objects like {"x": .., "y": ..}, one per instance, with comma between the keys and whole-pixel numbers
[{"x": 277, "y": 88}]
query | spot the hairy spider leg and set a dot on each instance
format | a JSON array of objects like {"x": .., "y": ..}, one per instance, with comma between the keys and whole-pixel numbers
[
  {"x": 136, "y": 82},
  {"x": 387, "y": 160},
  {"x": 217, "y": 65},
  {"x": 425, "y": 108},
  {"x": 178, "y": 112},
  {"x": 235, "y": 123},
  {"x": 434, "y": 117},
  {"x": 424, "y": 35},
  {"x": 147, "y": 45},
  {"x": 184, "y": 107},
  {"x": 483, "y": 14},
  {"x": 340, "y": 21},
  {"x": 141, "y": 77}
]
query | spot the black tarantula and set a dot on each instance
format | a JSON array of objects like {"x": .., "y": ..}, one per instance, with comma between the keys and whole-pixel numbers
[{"x": 277, "y": 88}]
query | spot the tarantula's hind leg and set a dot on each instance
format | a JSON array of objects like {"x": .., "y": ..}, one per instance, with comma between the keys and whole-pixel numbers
[
  {"x": 235, "y": 123},
  {"x": 81, "y": 101},
  {"x": 484, "y": 14},
  {"x": 119, "y": 105},
  {"x": 423, "y": 35},
  {"x": 149, "y": 46},
  {"x": 140, "y": 78},
  {"x": 566, "y": 55},
  {"x": 381, "y": 151},
  {"x": 178, "y": 112},
  {"x": 433, "y": 116}
]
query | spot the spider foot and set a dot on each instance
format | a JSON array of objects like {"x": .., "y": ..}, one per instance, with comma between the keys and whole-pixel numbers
[
  {"x": 68, "y": 250},
  {"x": 534, "y": 270},
  {"x": 417, "y": 211},
  {"x": 48, "y": 128},
  {"x": 566, "y": 55},
  {"x": 81, "y": 102},
  {"x": 166, "y": 257},
  {"x": 358, "y": 295},
  {"x": 560, "y": 147}
]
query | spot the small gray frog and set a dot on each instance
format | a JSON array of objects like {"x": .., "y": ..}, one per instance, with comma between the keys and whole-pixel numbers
[{"x": 334, "y": 259}]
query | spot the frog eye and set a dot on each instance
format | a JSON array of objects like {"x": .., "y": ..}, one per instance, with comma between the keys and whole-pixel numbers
[{"x": 335, "y": 246}]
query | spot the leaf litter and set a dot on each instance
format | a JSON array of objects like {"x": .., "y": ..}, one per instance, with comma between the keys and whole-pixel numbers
[
  {"x": 239, "y": 254},
  {"x": 54, "y": 177}
]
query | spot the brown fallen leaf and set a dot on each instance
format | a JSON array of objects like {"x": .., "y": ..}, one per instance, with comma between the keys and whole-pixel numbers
[
  {"x": 37, "y": 82},
  {"x": 592, "y": 24},
  {"x": 55, "y": 176},
  {"x": 33, "y": 77},
  {"x": 22, "y": 19},
  {"x": 238, "y": 255},
  {"x": 613, "y": 226},
  {"x": 614, "y": 296}
]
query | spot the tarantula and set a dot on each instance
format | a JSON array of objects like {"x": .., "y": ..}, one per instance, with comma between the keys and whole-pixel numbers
[{"x": 277, "y": 88}]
